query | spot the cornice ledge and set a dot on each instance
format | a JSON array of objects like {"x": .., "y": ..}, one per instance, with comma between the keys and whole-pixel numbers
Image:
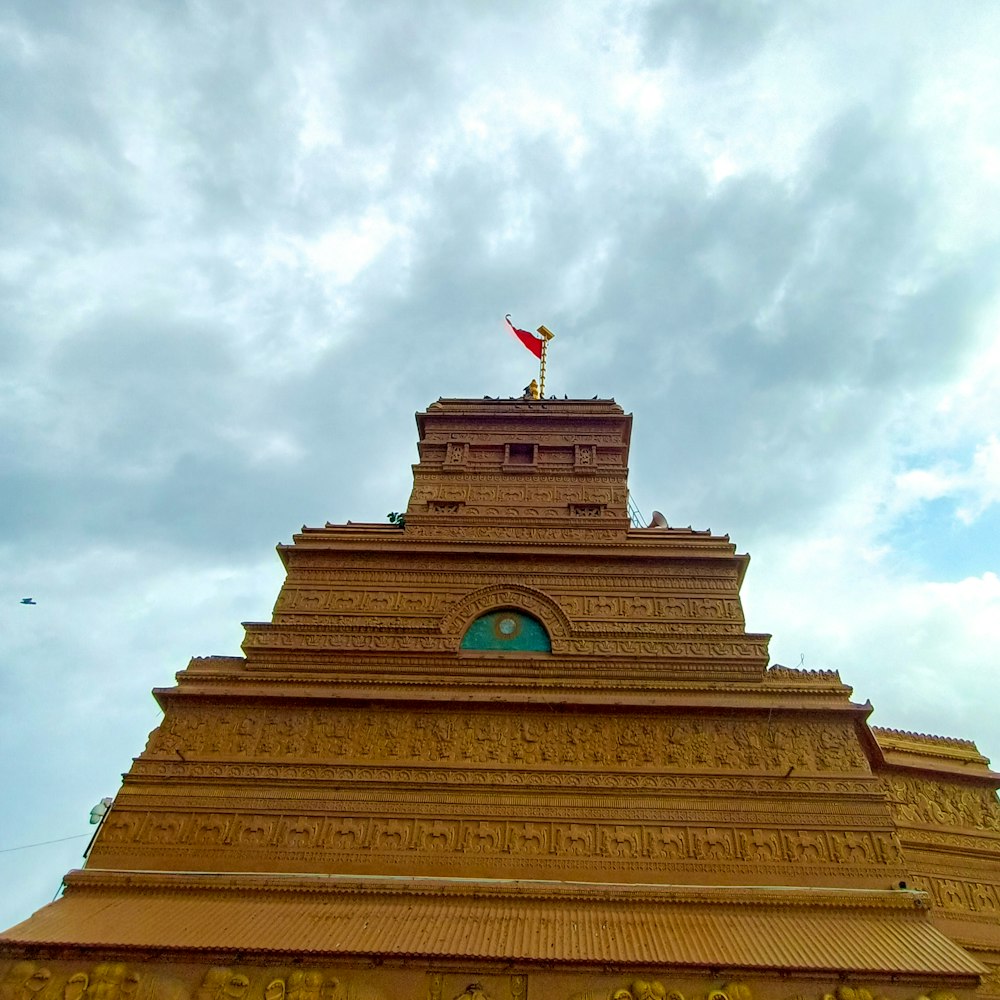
[
  {"x": 886, "y": 736},
  {"x": 247, "y": 883},
  {"x": 488, "y": 691},
  {"x": 777, "y": 671},
  {"x": 907, "y": 734}
]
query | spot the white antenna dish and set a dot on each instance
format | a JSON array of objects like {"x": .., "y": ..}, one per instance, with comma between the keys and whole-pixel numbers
[{"x": 659, "y": 521}]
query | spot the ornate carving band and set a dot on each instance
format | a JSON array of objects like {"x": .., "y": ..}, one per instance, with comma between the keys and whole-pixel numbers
[
  {"x": 503, "y": 738},
  {"x": 263, "y": 636},
  {"x": 561, "y": 494},
  {"x": 114, "y": 980},
  {"x": 504, "y": 778},
  {"x": 961, "y": 894},
  {"x": 552, "y": 578},
  {"x": 514, "y": 533},
  {"x": 952, "y": 804},
  {"x": 364, "y": 607},
  {"x": 64, "y": 979},
  {"x": 604, "y": 842}
]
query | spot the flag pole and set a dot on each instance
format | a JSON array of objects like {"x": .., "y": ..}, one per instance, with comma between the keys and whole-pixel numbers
[{"x": 547, "y": 335}]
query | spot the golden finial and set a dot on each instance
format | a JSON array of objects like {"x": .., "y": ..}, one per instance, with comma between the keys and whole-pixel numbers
[{"x": 547, "y": 335}]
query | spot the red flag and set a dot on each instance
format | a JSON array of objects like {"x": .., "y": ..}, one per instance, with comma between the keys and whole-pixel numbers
[{"x": 530, "y": 340}]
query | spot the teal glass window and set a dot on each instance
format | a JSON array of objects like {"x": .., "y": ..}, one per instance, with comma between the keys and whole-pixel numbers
[{"x": 508, "y": 629}]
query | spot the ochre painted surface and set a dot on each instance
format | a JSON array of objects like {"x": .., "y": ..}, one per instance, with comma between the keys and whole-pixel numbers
[{"x": 615, "y": 799}]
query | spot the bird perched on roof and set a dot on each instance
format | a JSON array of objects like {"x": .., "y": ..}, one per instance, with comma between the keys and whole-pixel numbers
[{"x": 28, "y": 600}]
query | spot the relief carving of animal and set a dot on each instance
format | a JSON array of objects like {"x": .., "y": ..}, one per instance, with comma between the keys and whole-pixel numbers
[
  {"x": 714, "y": 845},
  {"x": 483, "y": 837},
  {"x": 666, "y": 843},
  {"x": 576, "y": 839},
  {"x": 347, "y": 834},
  {"x": 760, "y": 846},
  {"x": 622, "y": 842}
]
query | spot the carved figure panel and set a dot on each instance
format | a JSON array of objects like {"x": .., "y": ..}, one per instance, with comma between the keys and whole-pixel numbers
[
  {"x": 608, "y": 844},
  {"x": 613, "y": 576},
  {"x": 961, "y": 894},
  {"x": 105, "y": 980},
  {"x": 952, "y": 804},
  {"x": 991, "y": 981},
  {"x": 510, "y": 776},
  {"x": 479, "y": 738}
]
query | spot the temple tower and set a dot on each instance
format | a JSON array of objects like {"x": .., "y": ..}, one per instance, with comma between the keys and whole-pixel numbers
[{"x": 518, "y": 747}]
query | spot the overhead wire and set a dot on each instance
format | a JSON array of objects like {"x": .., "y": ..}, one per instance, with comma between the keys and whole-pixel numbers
[{"x": 42, "y": 843}]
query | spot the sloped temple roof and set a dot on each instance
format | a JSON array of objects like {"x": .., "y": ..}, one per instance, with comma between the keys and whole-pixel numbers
[{"x": 825, "y": 931}]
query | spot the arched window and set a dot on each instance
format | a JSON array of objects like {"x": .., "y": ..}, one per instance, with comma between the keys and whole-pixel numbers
[{"x": 510, "y": 629}]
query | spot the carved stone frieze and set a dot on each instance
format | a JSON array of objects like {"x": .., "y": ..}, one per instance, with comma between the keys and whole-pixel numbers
[
  {"x": 536, "y": 492},
  {"x": 690, "y": 808},
  {"x": 986, "y": 841},
  {"x": 961, "y": 894},
  {"x": 115, "y": 980},
  {"x": 777, "y": 672},
  {"x": 270, "y": 637},
  {"x": 65, "y": 979},
  {"x": 640, "y": 607},
  {"x": 749, "y": 646},
  {"x": 514, "y": 533},
  {"x": 671, "y": 989},
  {"x": 641, "y": 741},
  {"x": 426, "y": 624},
  {"x": 607, "y": 629},
  {"x": 417, "y": 623},
  {"x": 951, "y": 804},
  {"x": 644, "y": 989},
  {"x": 365, "y": 601},
  {"x": 553, "y": 578},
  {"x": 475, "y": 479},
  {"x": 990, "y": 985},
  {"x": 507, "y": 777},
  {"x": 259, "y": 636},
  {"x": 641, "y": 613},
  {"x": 516, "y": 838}
]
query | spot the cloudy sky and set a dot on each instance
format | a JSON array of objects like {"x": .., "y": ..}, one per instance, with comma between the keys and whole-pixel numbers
[{"x": 241, "y": 243}]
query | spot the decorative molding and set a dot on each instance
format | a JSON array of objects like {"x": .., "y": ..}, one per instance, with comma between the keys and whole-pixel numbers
[
  {"x": 117, "y": 980},
  {"x": 507, "y": 778},
  {"x": 986, "y": 842},
  {"x": 942, "y": 803},
  {"x": 65, "y": 979},
  {"x": 626, "y": 742},
  {"x": 959, "y": 894},
  {"x": 778, "y": 672},
  {"x": 514, "y": 533},
  {"x": 536, "y": 603},
  {"x": 262, "y": 636},
  {"x": 611, "y": 845},
  {"x": 409, "y": 607},
  {"x": 904, "y": 735}
]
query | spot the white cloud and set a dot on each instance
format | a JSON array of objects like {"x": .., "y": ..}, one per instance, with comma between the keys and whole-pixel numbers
[{"x": 983, "y": 480}]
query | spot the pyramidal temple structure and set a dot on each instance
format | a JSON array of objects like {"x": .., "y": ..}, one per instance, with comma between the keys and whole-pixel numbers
[{"x": 518, "y": 749}]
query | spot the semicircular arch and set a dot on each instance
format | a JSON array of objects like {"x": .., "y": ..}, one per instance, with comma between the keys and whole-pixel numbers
[{"x": 527, "y": 599}]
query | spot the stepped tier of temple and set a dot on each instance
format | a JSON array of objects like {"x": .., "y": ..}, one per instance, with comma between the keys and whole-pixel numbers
[{"x": 515, "y": 747}]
